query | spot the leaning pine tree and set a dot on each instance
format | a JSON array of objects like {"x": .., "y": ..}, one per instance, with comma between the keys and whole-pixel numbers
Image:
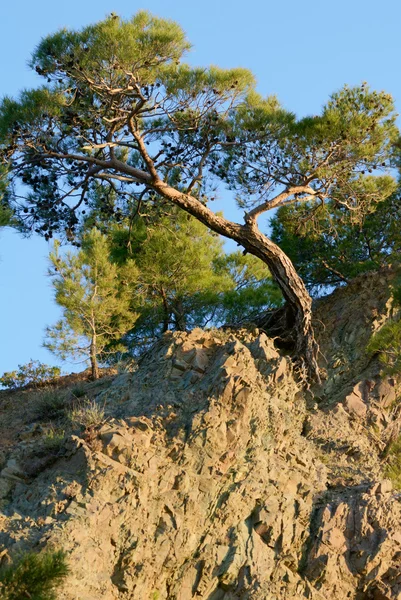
[
  {"x": 120, "y": 107},
  {"x": 95, "y": 297}
]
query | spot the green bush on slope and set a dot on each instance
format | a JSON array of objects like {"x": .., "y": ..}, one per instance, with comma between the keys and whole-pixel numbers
[
  {"x": 33, "y": 576},
  {"x": 33, "y": 373}
]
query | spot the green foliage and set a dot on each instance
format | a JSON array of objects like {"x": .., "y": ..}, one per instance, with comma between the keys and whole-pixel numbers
[
  {"x": 6, "y": 214},
  {"x": 387, "y": 341},
  {"x": 95, "y": 297},
  {"x": 50, "y": 404},
  {"x": 34, "y": 576},
  {"x": 93, "y": 77},
  {"x": 392, "y": 469},
  {"x": 121, "y": 111},
  {"x": 33, "y": 108},
  {"x": 177, "y": 279},
  {"x": 53, "y": 441},
  {"x": 32, "y": 374},
  {"x": 252, "y": 293},
  {"x": 328, "y": 248},
  {"x": 339, "y": 155},
  {"x": 144, "y": 43},
  {"x": 87, "y": 413},
  {"x": 184, "y": 278},
  {"x": 78, "y": 390},
  {"x": 45, "y": 452}
]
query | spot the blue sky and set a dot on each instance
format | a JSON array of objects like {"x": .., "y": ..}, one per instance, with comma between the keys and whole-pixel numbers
[{"x": 300, "y": 51}]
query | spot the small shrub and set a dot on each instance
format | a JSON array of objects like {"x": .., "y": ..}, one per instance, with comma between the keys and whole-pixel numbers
[
  {"x": 125, "y": 365},
  {"x": 78, "y": 391},
  {"x": 392, "y": 470},
  {"x": 50, "y": 404},
  {"x": 33, "y": 373},
  {"x": 53, "y": 440},
  {"x": 92, "y": 440},
  {"x": 45, "y": 453},
  {"x": 34, "y": 576},
  {"x": 87, "y": 413},
  {"x": 387, "y": 343}
]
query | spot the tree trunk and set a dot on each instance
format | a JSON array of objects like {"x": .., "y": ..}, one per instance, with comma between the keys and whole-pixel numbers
[
  {"x": 166, "y": 314},
  {"x": 179, "y": 316},
  {"x": 93, "y": 358},
  {"x": 293, "y": 290},
  {"x": 280, "y": 266}
]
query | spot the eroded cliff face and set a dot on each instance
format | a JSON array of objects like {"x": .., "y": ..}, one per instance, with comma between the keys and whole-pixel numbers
[{"x": 216, "y": 476}]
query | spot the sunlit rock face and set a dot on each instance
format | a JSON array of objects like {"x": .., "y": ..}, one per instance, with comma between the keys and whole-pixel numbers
[{"x": 211, "y": 473}]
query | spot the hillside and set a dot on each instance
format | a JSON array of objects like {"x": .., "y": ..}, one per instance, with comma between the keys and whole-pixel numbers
[{"x": 208, "y": 472}]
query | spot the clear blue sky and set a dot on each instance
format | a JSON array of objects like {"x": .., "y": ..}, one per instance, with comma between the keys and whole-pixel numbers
[{"x": 299, "y": 50}]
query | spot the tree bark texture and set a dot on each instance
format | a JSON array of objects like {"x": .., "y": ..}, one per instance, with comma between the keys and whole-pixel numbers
[
  {"x": 293, "y": 290},
  {"x": 179, "y": 316},
  {"x": 93, "y": 358}
]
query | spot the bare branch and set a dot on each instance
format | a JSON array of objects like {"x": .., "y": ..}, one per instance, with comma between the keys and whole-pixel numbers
[{"x": 253, "y": 214}]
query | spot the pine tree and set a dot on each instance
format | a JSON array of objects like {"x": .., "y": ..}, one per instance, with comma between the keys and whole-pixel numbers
[
  {"x": 175, "y": 258},
  {"x": 185, "y": 279},
  {"x": 330, "y": 249},
  {"x": 95, "y": 296},
  {"x": 121, "y": 108},
  {"x": 252, "y": 292}
]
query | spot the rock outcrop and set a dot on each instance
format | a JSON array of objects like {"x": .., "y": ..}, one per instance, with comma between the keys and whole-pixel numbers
[{"x": 213, "y": 475}]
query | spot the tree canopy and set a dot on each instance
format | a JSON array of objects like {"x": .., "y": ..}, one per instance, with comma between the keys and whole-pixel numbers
[
  {"x": 330, "y": 249},
  {"x": 184, "y": 277},
  {"x": 178, "y": 282},
  {"x": 119, "y": 108},
  {"x": 95, "y": 297}
]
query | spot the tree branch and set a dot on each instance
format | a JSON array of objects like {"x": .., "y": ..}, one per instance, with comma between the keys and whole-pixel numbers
[{"x": 253, "y": 214}]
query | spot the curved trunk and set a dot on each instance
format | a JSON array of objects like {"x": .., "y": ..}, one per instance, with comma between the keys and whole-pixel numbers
[
  {"x": 293, "y": 290},
  {"x": 280, "y": 266}
]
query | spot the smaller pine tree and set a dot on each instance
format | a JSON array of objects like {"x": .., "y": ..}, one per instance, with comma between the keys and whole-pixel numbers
[
  {"x": 178, "y": 284},
  {"x": 185, "y": 278},
  {"x": 253, "y": 290},
  {"x": 95, "y": 296},
  {"x": 34, "y": 576}
]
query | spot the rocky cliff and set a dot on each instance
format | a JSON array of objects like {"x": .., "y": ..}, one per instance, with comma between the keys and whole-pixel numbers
[{"x": 210, "y": 473}]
